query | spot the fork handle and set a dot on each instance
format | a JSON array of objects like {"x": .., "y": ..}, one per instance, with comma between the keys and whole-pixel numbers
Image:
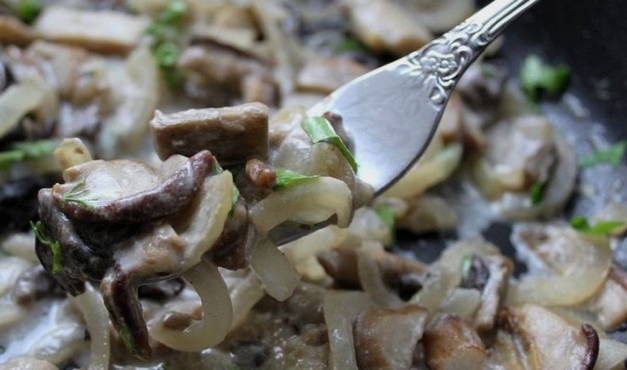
[{"x": 441, "y": 63}]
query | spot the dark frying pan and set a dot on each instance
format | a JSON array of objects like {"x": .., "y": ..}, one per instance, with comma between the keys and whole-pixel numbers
[{"x": 591, "y": 38}]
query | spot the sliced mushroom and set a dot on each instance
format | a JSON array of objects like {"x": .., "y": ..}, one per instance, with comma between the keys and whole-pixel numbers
[
  {"x": 231, "y": 70},
  {"x": 233, "y": 134},
  {"x": 610, "y": 303},
  {"x": 12, "y": 31},
  {"x": 386, "y": 338},
  {"x": 493, "y": 287},
  {"x": 386, "y": 26},
  {"x": 86, "y": 198},
  {"x": 34, "y": 284},
  {"x": 233, "y": 249},
  {"x": 326, "y": 74},
  {"x": 397, "y": 272},
  {"x": 519, "y": 154},
  {"x": 72, "y": 152},
  {"x": 101, "y": 31},
  {"x": 450, "y": 343},
  {"x": 550, "y": 342}
]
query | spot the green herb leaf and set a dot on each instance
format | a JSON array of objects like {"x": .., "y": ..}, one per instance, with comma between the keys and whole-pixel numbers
[
  {"x": 234, "y": 195},
  {"x": 286, "y": 178},
  {"x": 28, "y": 10},
  {"x": 386, "y": 214},
  {"x": 536, "y": 193},
  {"x": 535, "y": 76},
  {"x": 55, "y": 246},
  {"x": 77, "y": 193},
  {"x": 127, "y": 339},
  {"x": 22, "y": 151},
  {"x": 612, "y": 155},
  {"x": 466, "y": 264},
  {"x": 349, "y": 44},
  {"x": 581, "y": 224},
  {"x": 320, "y": 130},
  {"x": 165, "y": 32},
  {"x": 173, "y": 13}
]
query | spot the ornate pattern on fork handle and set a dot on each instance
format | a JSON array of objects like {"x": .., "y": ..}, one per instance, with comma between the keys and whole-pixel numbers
[{"x": 438, "y": 66}]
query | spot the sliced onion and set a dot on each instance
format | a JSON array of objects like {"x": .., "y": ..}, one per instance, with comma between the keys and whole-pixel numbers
[
  {"x": 340, "y": 310},
  {"x": 428, "y": 172},
  {"x": 217, "y": 313},
  {"x": 310, "y": 245},
  {"x": 308, "y": 203},
  {"x": 16, "y": 102},
  {"x": 451, "y": 259},
  {"x": 367, "y": 225},
  {"x": 462, "y": 302},
  {"x": 584, "y": 275},
  {"x": 97, "y": 321},
  {"x": 435, "y": 290},
  {"x": 20, "y": 245},
  {"x": 207, "y": 216},
  {"x": 556, "y": 192},
  {"x": 244, "y": 295},
  {"x": 277, "y": 275},
  {"x": 372, "y": 283},
  {"x": 135, "y": 100},
  {"x": 611, "y": 354}
]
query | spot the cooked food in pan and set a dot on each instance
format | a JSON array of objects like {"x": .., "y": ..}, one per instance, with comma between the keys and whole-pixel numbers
[{"x": 154, "y": 154}]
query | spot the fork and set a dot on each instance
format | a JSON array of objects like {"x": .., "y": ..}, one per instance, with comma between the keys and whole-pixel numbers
[{"x": 392, "y": 112}]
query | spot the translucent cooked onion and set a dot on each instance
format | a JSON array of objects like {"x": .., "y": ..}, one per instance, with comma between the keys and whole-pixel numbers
[
  {"x": 340, "y": 310},
  {"x": 436, "y": 289},
  {"x": 276, "y": 273},
  {"x": 556, "y": 192},
  {"x": 372, "y": 283},
  {"x": 205, "y": 218},
  {"x": 217, "y": 313},
  {"x": 588, "y": 266},
  {"x": 462, "y": 302},
  {"x": 307, "y": 203},
  {"x": 135, "y": 100},
  {"x": 244, "y": 295},
  {"x": 428, "y": 172},
  {"x": 96, "y": 318},
  {"x": 16, "y": 102},
  {"x": 611, "y": 354},
  {"x": 20, "y": 245},
  {"x": 302, "y": 252}
]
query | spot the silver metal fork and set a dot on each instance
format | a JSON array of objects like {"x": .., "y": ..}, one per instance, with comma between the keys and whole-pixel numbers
[{"x": 392, "y": 112}]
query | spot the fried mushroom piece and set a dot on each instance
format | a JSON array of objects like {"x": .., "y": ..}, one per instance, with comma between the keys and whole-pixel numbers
[
  {"x": 386, "y": 338},
  {"x": 326, "y": 74},
  {"x": 232, "y": 71},
  {"x": 386, "y": 26},
  {"x": 490, "y": 275},
  {"x": 549, "y": 341},
  {"x": 114, "y": 222},
  {"x": 450, "y": 343},
  {"x": 233, "y": 134},
  {"x": 99, "y": 31},
  {"x": 12, "y": 31}
]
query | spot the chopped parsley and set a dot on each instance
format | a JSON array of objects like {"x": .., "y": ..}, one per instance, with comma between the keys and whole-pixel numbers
[
  {"x": 77, "y": 193},
  {"x": 55, "y": 247},
  {"x": 612, "y": 155},
  {"x": 320, "y": 130},
  {"x": 28, "y": 10},
  {"x": 286, "y": 178},
  {"x": 127, "y": 339},
  {"x": 349, "y": 44},
  {"x": 25, "y": 150},
  {"x": 536, "y": 193},
  {"x": 165, "y": 32},
  {"x": 581, "y": 224},
  {"x": 386, "y": 214},
  {"x": 465, "y": 266},
  {"x": 536, "y": 76}
]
